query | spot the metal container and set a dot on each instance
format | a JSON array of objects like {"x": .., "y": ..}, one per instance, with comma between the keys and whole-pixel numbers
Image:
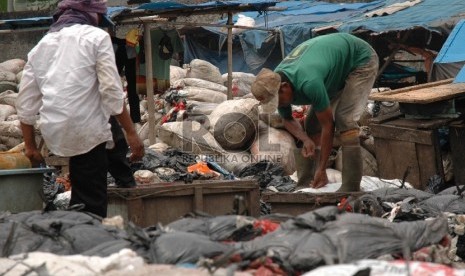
[{"x": 21, "y": 190}]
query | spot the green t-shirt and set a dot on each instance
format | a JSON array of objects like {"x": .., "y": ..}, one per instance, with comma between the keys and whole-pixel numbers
[{"x": 318, "y": 68}]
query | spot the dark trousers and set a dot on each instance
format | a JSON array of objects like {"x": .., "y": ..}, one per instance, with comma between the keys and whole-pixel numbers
[
  {"x": 118, "y": 163},
  {"x": 88, "y": 175},
  {"x": 133, "y": 98}
]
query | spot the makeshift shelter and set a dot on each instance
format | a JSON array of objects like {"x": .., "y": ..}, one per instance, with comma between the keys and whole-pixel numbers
[
  {"x": 279, "y": 27},
  {"x": 460, "y": 76},
  {"x": 451, "y": 58},
  {"x": 384, "y": 23},
  {"x": 159, "y": 13}
]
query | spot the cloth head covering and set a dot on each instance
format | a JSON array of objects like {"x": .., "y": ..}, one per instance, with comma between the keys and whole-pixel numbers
[
  {"x": 265, "y": 89},
  {"x": 72, "y": 12}
]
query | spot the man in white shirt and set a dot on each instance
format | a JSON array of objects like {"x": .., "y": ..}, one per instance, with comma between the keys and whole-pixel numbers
[{"x": 71, "y": 80}]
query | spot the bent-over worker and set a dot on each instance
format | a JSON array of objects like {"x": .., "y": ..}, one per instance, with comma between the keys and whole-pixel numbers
[{"x": 334, "y": 74}]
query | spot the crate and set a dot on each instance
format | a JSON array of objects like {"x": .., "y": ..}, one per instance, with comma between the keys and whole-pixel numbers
[
  {"x": 409, "y": 149},
  {"x": 457, "y": 145},
  {"x": 298, "y": 203},
  {"x": 60, "y": 163},
  {"x": 22, "y": 189},
  {"x": 147, "y": 205}
]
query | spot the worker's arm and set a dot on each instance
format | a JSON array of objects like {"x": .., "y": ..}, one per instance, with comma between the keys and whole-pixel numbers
[
  {"x": 294, "y": 127},
  {"x": 28, "y": 103},
  {"x": 325, "y": 118},
  {"x": 30, "y": 146},
  {"x": 133, "y": 139},
  {"x": 111, "y": 91}
]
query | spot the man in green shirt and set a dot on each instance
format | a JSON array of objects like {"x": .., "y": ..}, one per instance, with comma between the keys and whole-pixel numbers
[{"x": 334, "y": 74}]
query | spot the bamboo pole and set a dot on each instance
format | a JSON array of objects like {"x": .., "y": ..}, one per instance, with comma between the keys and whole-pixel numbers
[
  {"x": 230, "y": 44},
  {"x": 10, "y": 7},
  {"x": 149, "y": 82}
]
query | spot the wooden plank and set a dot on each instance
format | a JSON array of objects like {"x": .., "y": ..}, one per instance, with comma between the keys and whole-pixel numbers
[
  {"x": 306, "y": 197},
  {"x": 402, "y": 134},
  {"x": 377, "y": 95},
  {"x": 57, "y": 161},
  {"x": 62, "y": 163},
  {"x": 254, "y": 203},
  {"x": 457, "y": 138},
  {"x": 147, "y": 205},
  {"x": 298, "y": 203},
  {"x": 385, "y": 117},
  {"x": 136, "y": 211},
  {"x": 430, "y": 163},
  {"x": 198, "y": 199},
  {"x": 420, "y": 124},
  {"x": 394, "y": 158},
  {"x": 422, "y": 95},
  {"x": 179, "y": 188},
  {"x": 415, "y": 87},
  {"x": 166, "y": 209},
  {"x": 293, "y": 209}
]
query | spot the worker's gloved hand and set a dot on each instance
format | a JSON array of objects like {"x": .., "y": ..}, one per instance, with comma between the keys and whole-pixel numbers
[
  {"x": 34, "y": 156},
  {"x": 308, "y": 148},
  {"x": 320, "y": 180},
  {"x": 136, "y": 146}
]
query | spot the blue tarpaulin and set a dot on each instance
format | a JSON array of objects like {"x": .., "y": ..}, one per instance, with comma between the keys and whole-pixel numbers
[
  {"x": 296, "y": 24},
  {"x": 451, "y": 57},
  {"x": 300, "y": 18},
  {"x": 460, "y": 76}
]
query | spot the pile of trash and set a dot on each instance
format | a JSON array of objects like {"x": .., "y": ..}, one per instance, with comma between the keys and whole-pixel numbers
[
  {"x": 195, "y": 117},
  {"x": 388, "y": 228}
]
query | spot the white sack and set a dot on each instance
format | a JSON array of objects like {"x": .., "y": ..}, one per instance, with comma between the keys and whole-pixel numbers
[
  {"x": 202, "y": 95},
  {"x": 125, "y": 261},
  {"x": 14, "y": 66},
  {"x": 8, "y": 97},
  {"x": 5, "y": 111},
  {"x": 201, "y": 84},
  {"x": 176, "y": 73},
  {"x": 367, "y": 184},
  {"x": 201, "y": 69},
  {"x": 8, "y": 85},
  {"x": 7, "y": 76},
  {"x": 189, "y": 136},
  {"x": 276, "y": 146},
  {"x": 234, "y": 123}
]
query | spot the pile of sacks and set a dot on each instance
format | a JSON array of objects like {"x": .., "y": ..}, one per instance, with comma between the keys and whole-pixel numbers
[
  {"x": 235, "y": 132},
  {"x": 231, "y": 132},
  {"x": 10, "y": 76},
  {"x": 195, "y": 116}
]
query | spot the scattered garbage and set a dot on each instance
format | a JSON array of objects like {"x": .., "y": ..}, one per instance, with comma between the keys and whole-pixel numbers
[{"x": 390, "y": 227}]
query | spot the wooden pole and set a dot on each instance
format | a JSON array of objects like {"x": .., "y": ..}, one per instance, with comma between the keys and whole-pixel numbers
[
  {"x": 393, "y": 53},
  {"x": 149, "y": 82},
  {"x": 10, "y": 7},
  {"x": 281, "y": 43},
  {"x": 230, "y": 55}
]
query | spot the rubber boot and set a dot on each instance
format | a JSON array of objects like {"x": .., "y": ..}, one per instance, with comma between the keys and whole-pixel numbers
[
  {"x": 305, "y": 167},
  {"x": 352, "y": 167}
]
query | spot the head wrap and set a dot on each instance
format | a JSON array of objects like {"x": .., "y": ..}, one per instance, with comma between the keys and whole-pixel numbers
[{"x": 72, "y": 12}]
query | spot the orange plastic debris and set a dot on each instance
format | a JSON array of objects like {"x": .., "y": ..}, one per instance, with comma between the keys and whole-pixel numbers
[{"x": 201, "y": 168}]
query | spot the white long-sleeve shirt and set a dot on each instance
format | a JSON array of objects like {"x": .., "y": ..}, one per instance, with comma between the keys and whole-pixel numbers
[{"x": 71, "y": 80}]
